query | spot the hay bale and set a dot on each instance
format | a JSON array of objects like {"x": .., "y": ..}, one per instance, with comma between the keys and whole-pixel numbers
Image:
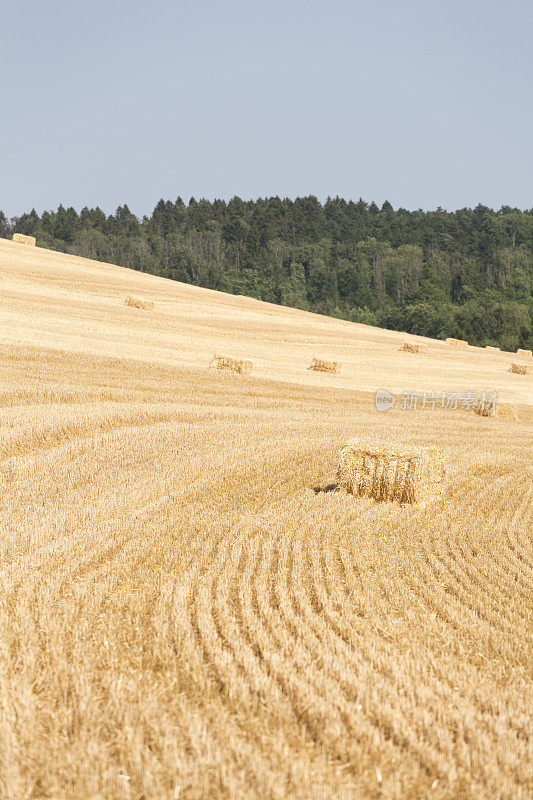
[
  {"x": 494, "y": 349},
  {"x": 508, "y": 411},
  {"x": 21, "y": 238},
  {"x": 520, "y": 369},
  {"x": 523, "y": 353},
  {"x": 411, "y": 347},
  {"x": 241, "y": 366},
  {"x": 319, "y": 365},
  {"x": 486, "y": 408},
  {"x": 134, "y": 303},
  {"x": 457, "y": 343},
  {"x": 405, "y": 474}
]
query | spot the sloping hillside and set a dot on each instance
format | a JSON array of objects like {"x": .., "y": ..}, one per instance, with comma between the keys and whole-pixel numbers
[
  {"x": 53, "y": 300},
  {"x": 187, "y": 609}
]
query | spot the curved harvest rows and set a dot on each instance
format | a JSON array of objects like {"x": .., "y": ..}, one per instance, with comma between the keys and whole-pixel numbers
[{"x": 186, "y": 614}]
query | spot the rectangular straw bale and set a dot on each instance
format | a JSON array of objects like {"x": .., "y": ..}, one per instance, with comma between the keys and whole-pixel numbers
[
  {"x": 406, "y": 474},
  {"x": 242, "y": 366},
  {"x": 520, "y": 369},
  {"x": 134, "y": 303},
  {"x": 457, "y": 343},
  {"x": 484, "y": 408},
  {"x": 411, "y": 347},
  {"x": 21, "y": 238},
  {"x": 523, "y": 353},
  {"x": 508, "y": 411},
  {"x": 494, "y": 349},
  {"x": 319, "y": 365}
]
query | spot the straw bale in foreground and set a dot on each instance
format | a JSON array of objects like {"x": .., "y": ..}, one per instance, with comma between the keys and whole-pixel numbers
[
  {"x": 520, "y": 369},
  {"x": 319, "y": 365},
  {"x": 457, "y": 343},
  {"x": 242, "y": 366},
  {"x": 523, "y": 353},
  {"x": 134, "y": 303},
  {"x": 21, "y": 238},
  {"x": 405, "y": 474},
  {"x": 411, "y": 347}
]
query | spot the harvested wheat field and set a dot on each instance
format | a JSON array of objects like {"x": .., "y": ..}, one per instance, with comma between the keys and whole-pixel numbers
[{"x": 189, "y": 611}]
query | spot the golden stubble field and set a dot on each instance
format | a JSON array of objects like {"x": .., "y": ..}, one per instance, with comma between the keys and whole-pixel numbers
[{"x": 187, "y": 612}]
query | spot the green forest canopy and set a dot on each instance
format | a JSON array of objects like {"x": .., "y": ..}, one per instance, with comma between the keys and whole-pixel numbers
[{"x": 466, "y": 274}]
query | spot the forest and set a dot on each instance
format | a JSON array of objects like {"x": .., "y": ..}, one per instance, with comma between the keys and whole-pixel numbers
[{"x": 466, "y": 273}]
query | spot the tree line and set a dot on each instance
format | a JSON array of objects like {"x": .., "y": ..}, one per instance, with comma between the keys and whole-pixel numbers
[{"x": 466, "y": 273}]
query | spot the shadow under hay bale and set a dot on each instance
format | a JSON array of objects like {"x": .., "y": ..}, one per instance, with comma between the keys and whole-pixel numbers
[
  {"x": 21, "y": 238},
  {"x": 134, "y": 303},
  {"x": 519, "y": 369},
  {"x": 411, "y": 347},
  {"x": 242, "y": 366},
  {"x": 523, "y": 353},
  {"x": 318, "y": 365},
  {"x": 457, "y": 343},
  {"x": 404, "y": 474}
]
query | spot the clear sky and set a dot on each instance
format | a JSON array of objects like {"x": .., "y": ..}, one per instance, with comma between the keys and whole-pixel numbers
[{"x": 421, "y": 103}]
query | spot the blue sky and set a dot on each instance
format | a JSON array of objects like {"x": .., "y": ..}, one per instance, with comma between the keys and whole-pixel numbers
[{"x": 423, "y": 104}]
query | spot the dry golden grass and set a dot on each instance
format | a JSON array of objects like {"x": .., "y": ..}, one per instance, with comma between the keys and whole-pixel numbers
[{"x": 188, "y": 612}]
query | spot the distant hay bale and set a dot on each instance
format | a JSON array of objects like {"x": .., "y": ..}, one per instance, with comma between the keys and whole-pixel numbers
[
  {"x": 486, "y": 408},
  {"x": 457, "y": 343},
  {"x": 520, "y": 369},
  {"x": 319, "y": 365},
  {"x": 408, "y": 475},
  {"x": 134, "y": 303},
  {"x": 508, "y": 411},
  {"x": 411, "y": 347},
  {"x": 21, "y": 238},
  {"x": 494, "y": 349},
  {"x": 242, "y": 366},
  {"x": 524, "y": 353}
]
